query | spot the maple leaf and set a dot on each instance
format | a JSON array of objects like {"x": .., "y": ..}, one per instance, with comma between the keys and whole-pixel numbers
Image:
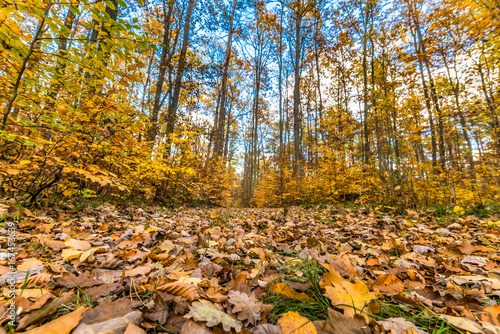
[
  {"x": 247, "y": 306},
  {"x": 206, "y": 311}
]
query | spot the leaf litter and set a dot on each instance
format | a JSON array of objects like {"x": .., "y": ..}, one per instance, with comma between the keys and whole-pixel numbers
[{"x": 329, "y": 270}]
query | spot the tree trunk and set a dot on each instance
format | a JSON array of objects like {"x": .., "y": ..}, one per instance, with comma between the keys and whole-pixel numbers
[
  {"x": 222, "y": 112},
  {"x": 172, "y": 110},
  {"x": 297, "y": 166},
  {"x": 164, "y": 60}
]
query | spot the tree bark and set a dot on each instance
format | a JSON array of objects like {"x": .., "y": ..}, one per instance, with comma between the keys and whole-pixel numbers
[
  {"x": 222, "y": 112},
  {"x": 172, "y": 110}
]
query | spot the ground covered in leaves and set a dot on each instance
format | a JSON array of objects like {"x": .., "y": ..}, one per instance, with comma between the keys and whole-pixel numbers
[{"x": 330, "y": 270}]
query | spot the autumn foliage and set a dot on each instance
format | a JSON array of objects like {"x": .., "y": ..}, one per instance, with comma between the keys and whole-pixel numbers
[{"x": 305, "y": 102}]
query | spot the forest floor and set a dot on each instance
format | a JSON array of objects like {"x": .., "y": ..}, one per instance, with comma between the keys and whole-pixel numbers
[{"x": 332, "y": 270}]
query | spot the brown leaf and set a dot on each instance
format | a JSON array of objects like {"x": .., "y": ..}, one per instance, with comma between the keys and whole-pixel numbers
[
  {"x": 43, "y": 307},
  {"x": 70, "y": 281},
  {"x": 186, "y": 290},
  {"x": 29, "y": 264},
  {"x": 341, "y": 324},
  {"x": 247, "y": 306},
  {"x": 139, "y": 271},
  {"x": 111, "y": 326},
  {"x": 157, "y": 310},
  {"x": 80, "y": 245},
  {"x": 174, "y": 323},
  {"x": 62, "y": 325},
  {"x": 389, "y": 284},
  {"x": 267, "y": 329},
  {"x": 400, "y": 325},
  {"x": 133, "y": 329},
  {"x": 191, "y": 327},
  {"x": 108, "y": 310}
]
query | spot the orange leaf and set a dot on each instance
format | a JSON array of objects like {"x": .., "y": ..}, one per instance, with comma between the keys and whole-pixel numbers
[
  {"x": 186, "y": 290},
  {"x": 293, "y": 322}
]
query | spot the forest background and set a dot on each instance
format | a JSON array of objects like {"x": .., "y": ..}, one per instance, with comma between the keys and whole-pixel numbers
[{"x": 251, "y": 103}]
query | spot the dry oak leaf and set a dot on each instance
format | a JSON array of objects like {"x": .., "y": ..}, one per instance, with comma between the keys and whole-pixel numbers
[
  {"x": 206, "y": 311},
  {"x": 342, "y": 324},
  {"x": 492, "y": 314},
  {"x": 62, "y": 325},
  {"x": 247, "y": 306},
  {"x": 293, "y": 322},
  {"x": 80, "y": 245},
  {"x": 191, "y": 327},
  {"x": 286, "y": 291},
  {"x": 463, "y": 323},
  {"x": 186, "y": 290},
  {"x": 347, "y": 295}
]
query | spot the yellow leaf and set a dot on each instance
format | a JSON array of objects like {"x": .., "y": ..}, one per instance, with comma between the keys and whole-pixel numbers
[
  {"x": 70, "y": 254},
  {"x": 347, "y": 296},
  {"x": 293, "y": 322},
  {"x": 286, "y": 291},
  {"x": 330, "y": 277}
]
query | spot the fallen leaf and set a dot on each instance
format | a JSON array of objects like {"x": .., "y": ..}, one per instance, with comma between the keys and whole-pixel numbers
[
  {"x": 80, "y": 245},
  {"x": 70, "y": 254},
  {"x": 139, "y": 271},
  {"x": 206, "y": 311},
  {"x": 399, "y": 325},
  {"x": 62, "y": 325},
  {"x": 463, "y": 323},
  {"x": 247, "y": 307},
  {"x": 186, "y": 290},
  {"x": 293, "y": 322},
  {"x": 191, "y": 327},
  {"x": 133, "y": 329},
  {"x": 347, "y": 295},
  {"x": 286, "y": 291},
  {"x": 389, "y": 284},
  {"x": 267, "y": 329},
  {"x": 29, "y": 264},
  {"x": 110, "y": 326},
  {"x": 341, "y": 324},
  {"x": 492, "y": 314}
]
